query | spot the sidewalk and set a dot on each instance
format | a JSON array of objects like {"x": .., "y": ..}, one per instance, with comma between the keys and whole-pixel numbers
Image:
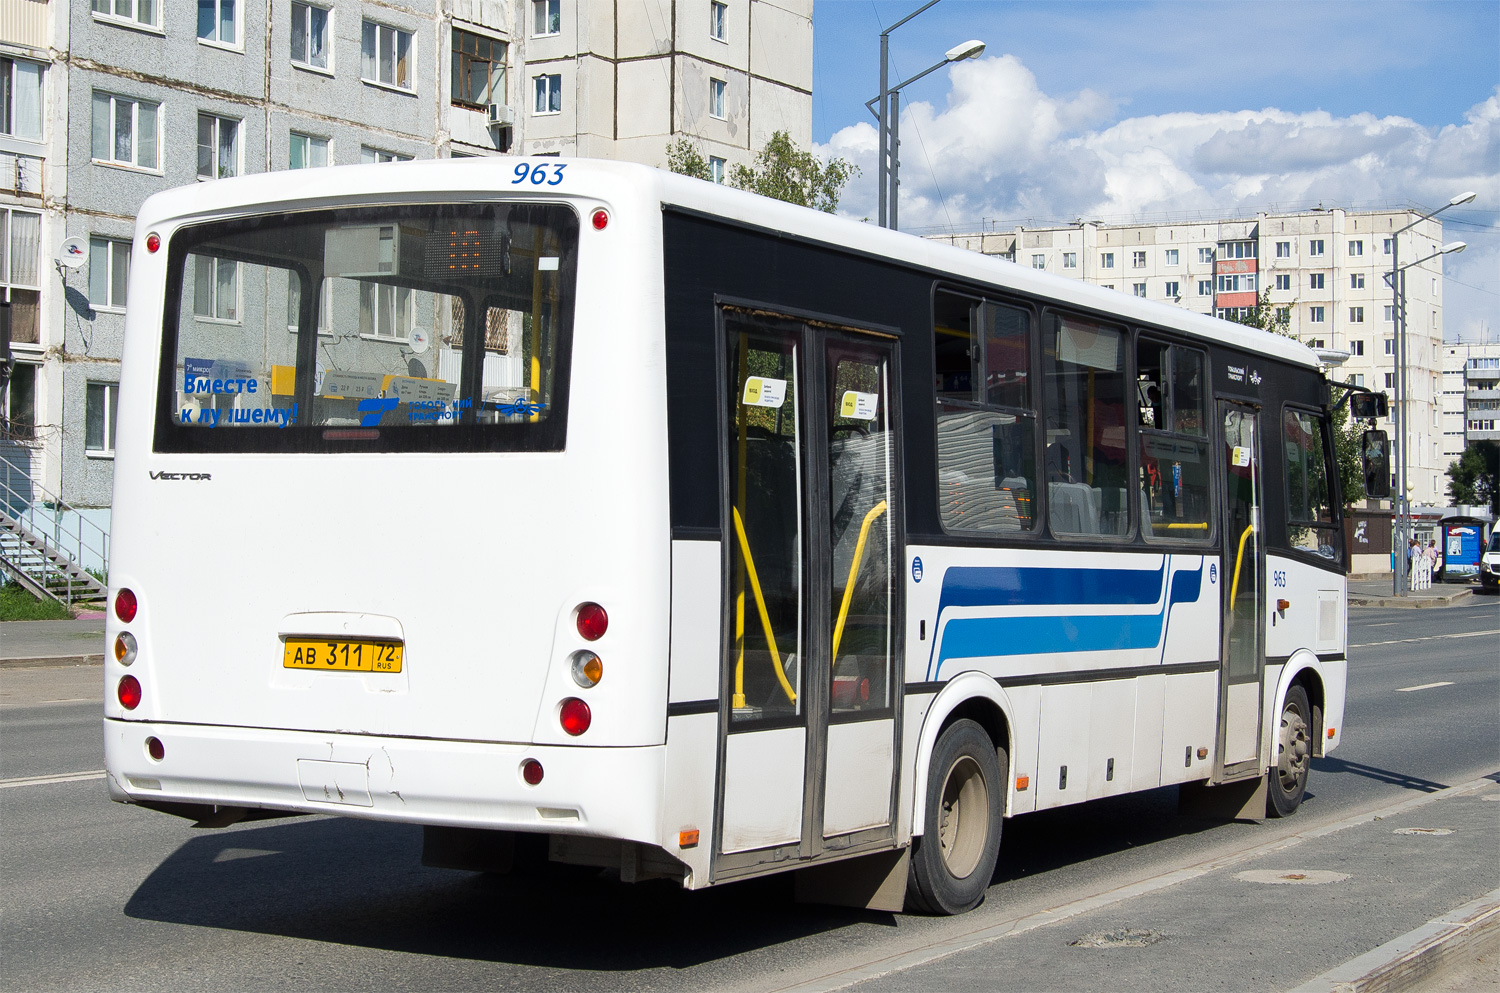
[
  {"x": 34, "y": 643},
  {"x": 1378, "y": 593}
]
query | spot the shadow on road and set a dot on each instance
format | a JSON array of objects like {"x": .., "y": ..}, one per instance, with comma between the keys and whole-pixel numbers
[{"x": 1332, "y": 764}]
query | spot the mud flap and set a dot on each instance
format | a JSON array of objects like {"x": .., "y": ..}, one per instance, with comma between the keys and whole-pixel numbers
[
  {"x": 873, "y": 882},
  {"x": 1240, "y": 801}
]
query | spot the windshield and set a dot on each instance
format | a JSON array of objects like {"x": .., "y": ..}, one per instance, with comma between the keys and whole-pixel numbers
[
  {"x": 1495, "y": 542},
  {"x": 416, "y": 327}
]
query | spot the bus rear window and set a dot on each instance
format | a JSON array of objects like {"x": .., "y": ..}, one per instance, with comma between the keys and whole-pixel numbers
[{"x": 416, "y": 327}]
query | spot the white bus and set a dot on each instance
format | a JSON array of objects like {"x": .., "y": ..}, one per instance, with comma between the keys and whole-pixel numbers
[{"x": 577, "y": 510}]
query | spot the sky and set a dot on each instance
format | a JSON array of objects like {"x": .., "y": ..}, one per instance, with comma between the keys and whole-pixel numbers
[{"x": 1112, "y": 110}]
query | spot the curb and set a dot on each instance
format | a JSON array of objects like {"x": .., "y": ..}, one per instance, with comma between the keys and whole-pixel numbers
[
  {"x": 1410, "y": 603},
  {"x": 47, "y": 661},
  {"x": 1403, "y": 963}
]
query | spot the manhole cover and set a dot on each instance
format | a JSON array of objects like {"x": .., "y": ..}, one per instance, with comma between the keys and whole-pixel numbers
[
  {"x": 1304, "y": 877},
  {"x": 1491, "y": 796},
  {"x": 1423, "y": 831},
  {"x": 1118, "y": 938}
]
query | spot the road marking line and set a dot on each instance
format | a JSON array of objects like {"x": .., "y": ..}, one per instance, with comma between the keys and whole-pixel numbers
[
  {"x": 1431, "y": 637},
  {"x": 66, "y": 777},
  {"x": 1424, "y": 686},
  {"x": 901, "y": 961}
]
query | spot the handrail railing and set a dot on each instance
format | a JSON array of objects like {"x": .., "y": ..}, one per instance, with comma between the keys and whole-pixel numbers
[{"x": 59, "y": 525}]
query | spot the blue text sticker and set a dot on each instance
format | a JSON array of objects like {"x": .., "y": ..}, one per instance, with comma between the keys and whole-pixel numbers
[
  {"x": 916, "y": 569},
  {"x": 1213, "y": 572}
]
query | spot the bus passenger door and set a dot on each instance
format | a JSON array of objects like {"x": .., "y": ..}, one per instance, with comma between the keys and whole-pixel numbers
[
  {"x": 808, "y": 738},
  {"x": 1242, "y": 651}
]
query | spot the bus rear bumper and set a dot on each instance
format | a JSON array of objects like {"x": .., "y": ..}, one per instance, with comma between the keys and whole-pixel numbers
[{"x": 603, "y": 792}]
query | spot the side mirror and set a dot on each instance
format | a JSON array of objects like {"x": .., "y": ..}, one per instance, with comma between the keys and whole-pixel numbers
[
  {"x": 1363, "y": 406},
  {"x": 1375, "y": 458}
]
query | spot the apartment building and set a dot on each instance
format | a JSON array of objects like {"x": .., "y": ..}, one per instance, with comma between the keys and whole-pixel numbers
[
  {"x": 1471, "y": 395},
  {"x": 109, "y": 101},
  {"x": 1323, "y": 270}
]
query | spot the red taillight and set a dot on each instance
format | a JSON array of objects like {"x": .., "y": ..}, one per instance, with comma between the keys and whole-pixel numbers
[
  {"x": 592, "y": 621},
  {"x": 601, "y": 220},
  {"x": 155, "y": 748},
  {"x": 125, "y": 606},
  {"x": 531, "y": 771},
  {"x": 129, "y": 692},
  {"x": 574, "y": 715},
  {"x": 153, "y": 241}
]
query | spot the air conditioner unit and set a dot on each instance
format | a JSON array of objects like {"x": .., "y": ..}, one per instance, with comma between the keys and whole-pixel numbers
[{"x": 501, "y": 116}]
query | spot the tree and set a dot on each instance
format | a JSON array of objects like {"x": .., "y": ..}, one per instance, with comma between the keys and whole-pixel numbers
[
  {"x": 781, "y": 171},
  {"x": 1276, "y": 320},
  {"x": 1474, "y": 478},
  {"x": 1347, "y": 439}
]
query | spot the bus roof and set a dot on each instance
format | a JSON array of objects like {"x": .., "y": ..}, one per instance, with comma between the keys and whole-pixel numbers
[{"x": 615, "y": 180}]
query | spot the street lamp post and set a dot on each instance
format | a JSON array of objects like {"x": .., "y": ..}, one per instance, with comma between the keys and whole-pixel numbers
[
  {"x": 1396, "y": 278},
  {"x": 889, "y": 169}
]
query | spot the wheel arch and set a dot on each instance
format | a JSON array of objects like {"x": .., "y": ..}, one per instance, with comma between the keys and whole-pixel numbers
[
  {"x": 972, "y": 695},
  {"x": 1304, "y": 669}
]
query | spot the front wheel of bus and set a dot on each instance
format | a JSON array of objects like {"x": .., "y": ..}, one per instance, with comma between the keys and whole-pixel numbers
[
  {"x": 953, "y": 859},
  {"x": 1293, "y": 755}
]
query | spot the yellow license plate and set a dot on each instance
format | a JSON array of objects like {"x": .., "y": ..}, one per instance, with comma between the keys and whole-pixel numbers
[{"x": 342, "y": 656}]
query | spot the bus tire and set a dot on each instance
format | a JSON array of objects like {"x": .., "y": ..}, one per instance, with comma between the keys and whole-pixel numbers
[
  {"x": 954, "y": 858},
  {"x": 1288, "y": 777}
]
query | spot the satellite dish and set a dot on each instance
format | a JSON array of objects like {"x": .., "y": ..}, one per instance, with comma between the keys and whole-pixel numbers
[{"x": 73, "y": 253}]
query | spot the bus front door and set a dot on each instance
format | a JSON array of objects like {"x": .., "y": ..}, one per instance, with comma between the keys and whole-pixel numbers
[
  {"x": 808, "y": 736},
  {"x": 1242, "y": 652}
]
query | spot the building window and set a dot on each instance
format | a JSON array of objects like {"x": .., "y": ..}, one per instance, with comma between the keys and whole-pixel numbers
[
  {"x": 218, "y": 147},
  {"x": 1356, "y": 315},
  {"x": 99, "y": 418},
  {"x": 717, "y": 15},
  {"x": 1315, "y": 280},
  {"x": 1070, "y": 260},
  {"x": 717, "y": 168},
  {"x": 1315, "y": 315},
  {"x": 21, "y": 99},
  {"x": 1316, "y": 343},
  {"x": 20, "y": 251},
  {"x": 1137, "y": 260},
  {"x": 1109, "y": 286},
  {"x": 385, "y": 55},
  {"x": 1107, "y": 260},
  {"x": 1356, "y": 248},
  {"x": 137, "y": 11},
  {"x": 1205, "y": 287},
  {"x": 1284, "y": 314},
  {"x": 1138, "y": 289},
  {"x": 307, "y": 151},
  {"x": 716, "y": 88},
  {"x": 368, "y": 155},
  {"x": 1386, "y": 244},
  {"x": 216, "y": 19},
  {"x": 1315, "y": 247},
  {"x": 109, "y": 273},
  {"x": 1390, "y": 346},
  {"x": 1356, "y": 280},
  {"x": 1390, "y": 313},
  {"x": 1237, "y": 282},
  {"x": 20, "y": 403},
  {"x": 125, "y": 131},
  {"x": 216, "y": 289},
  {"x": 1039, "y": 262},
  {"x": 1205, "y": 255},
  {"x": 1171, "y": 256},
  {"x": 546, "y": 17},
  {"x": 1356, "y": 379},
  {"x": 1172, "y": 290},
  {"x": 1283, "y": 281},
  {"x": 1357, "y": 347},
  {"x": 310, "y": 35},
  {"x": 478, "y": 70},
  {"x": 1283, "y": 249},
  {"x": 385, "y": 311},
  {"x": 547, "y": 94},
  {"x": 1390, "y": 380}
]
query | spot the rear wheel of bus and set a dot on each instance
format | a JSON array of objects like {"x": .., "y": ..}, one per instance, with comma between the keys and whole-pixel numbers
[{"x": 953, "y": 859}]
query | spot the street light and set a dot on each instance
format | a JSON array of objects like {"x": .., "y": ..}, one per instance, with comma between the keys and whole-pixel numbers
[
  {"x": 1395, "y": 277},
  {"x": 889, "y": 113}
]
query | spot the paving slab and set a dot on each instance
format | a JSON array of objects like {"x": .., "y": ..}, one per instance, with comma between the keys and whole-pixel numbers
[{"x": 30, "y": 643}]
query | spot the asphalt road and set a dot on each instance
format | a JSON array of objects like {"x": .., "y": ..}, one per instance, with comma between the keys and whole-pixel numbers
[{"x": 103, "y": 896}]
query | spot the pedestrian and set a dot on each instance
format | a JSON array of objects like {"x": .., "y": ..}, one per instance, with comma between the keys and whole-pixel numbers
[
  {"x": 1411, "y": 561},
  {"x": 1436, "y": 555}
]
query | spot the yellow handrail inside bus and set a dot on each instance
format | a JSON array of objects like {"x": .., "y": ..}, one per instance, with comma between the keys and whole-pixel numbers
[
  {"x": 1183, "y": 526},
  {"x": 854, "y": 564},
  {"x": 1234, "y": 589},
  {"x": 765, "y": 622}
]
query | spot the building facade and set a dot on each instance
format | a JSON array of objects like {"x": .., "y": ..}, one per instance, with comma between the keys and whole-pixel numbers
[
  {"x": 110, "y": 101},
  {"x": 1471, "y": 395},
  {"x": 1323, "y": 270}
]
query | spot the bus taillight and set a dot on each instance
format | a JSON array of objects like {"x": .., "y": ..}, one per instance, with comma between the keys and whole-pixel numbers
[
  {"x": 125, "y": 606},
  {"x": 531, "y": 771},
  {"x": 601, "y": 219},
  {"x": 574, "y": 715},
  {"x": 587, "y": 668},
  {"x": 592, "y": 621},
  {"x": 125, "y": 648},
  {"x": 129, "y": 692}
]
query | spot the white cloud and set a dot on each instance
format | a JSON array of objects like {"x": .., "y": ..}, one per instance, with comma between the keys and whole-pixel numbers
[{"x": 1003, "y": 148}]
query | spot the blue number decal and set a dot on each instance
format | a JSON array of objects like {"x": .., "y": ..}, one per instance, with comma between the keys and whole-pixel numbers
[
  {"x": 521, "y": 171},
  {"x": 556, "y": 174},
  {"x": 539, "y": 175},
  {"x": 1278, "y": 579}
]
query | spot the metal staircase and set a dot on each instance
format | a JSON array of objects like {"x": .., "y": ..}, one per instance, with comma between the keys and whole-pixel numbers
[{"x": 43, "y": 540}]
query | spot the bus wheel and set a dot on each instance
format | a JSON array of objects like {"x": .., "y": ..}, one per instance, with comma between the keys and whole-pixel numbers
[
  {"x": 1293, "y": 755},
  {"x": 953, "y": 859}
]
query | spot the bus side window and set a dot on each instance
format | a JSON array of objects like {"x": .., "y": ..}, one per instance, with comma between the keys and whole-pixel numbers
[
  {"x": 1312, "y": 522},
  {"x": 1087, "y": 459},
  {"x": 986, "y": 425},
  {"x": 1175, "y": 477}
]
